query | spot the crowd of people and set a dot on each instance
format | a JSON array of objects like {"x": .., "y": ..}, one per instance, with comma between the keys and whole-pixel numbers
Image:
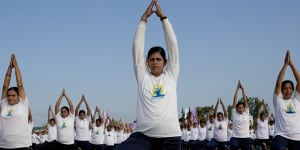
[{"x": 157, "y": 125}]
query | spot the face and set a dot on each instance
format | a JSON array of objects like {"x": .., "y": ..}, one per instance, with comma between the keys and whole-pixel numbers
[
  {"x": 52, "y": 123},
  {"x": 98, "y": 123},
  {"x": 240, "y": 109},
  {"x": 211, "y": 120},
  {"x": 64, "y": 113},
  {"x": 262, "y": 117},
  {"x": 156, "y": 64},
  {"x": 220, "y": 117},
  {"x": 202, "y": 124},
  {"x": 287, "y": 91},
  {"x": 230, "y": 126},
  {"x": 12, "y": 97},
  {"x": 81, "y": 116}
]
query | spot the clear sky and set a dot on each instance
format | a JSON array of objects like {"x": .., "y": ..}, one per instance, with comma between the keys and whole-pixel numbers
[{"x": 85, "y": 47}]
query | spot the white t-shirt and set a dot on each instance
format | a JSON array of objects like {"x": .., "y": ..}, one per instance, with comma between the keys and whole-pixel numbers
[
  {"x": 97, "y": 134},
  {"x": 229, "y": 134},
  {"x": 82, "y": 132},
  {"x": 195, "y": 133},
  {"x": 35, "y": 139},
  {"x": 271, "y": 130},
  {"x": 220, "y": 130},
  {"x": 240, "y": 124},
  {"x": 120, "y": 136},
  {"x": 14, "y": 124},
  {"x": 209, "y": 130},
  {"x": 52, "y": 133},
  {"x": 30, "y": 127},
  {"x": 252, "y": 134},
  {"x": 262, "y": 131},
  {"x": 287, "y": 116},
  {"x": 202, "y": 133},
  {"x": 43, "y": 138},
  {"x": 109, "y": 138},
  {"x": 187, "y": 135},
  {"x": 157, "y": 114},
  {"x": 65, "y": 129}
]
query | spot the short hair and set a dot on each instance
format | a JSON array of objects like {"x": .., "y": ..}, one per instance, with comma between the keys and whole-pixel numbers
[
  {"x": 283, "y": 83},
  {"x": 239, "y": 103}
]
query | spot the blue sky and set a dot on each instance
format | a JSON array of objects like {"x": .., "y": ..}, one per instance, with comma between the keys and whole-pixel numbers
[{"x": 85, "y": 47}]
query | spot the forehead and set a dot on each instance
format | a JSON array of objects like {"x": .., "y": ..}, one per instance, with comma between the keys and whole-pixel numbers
[{"x": 155, "y": 55}]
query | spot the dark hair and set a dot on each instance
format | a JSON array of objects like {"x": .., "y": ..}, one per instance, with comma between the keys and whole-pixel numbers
[
  {"x": 13, "y": 89},
  {"x": 283, "y": 83},
  {"x": 98, "y": 120},
  {"x": 158, "y": 49},
  {"x": 261, "y": 114},
  {"x": 239, "y": 103},
  {"x": 219, "y": 113},
  {"x": 52, "y": 119},
  {"x": 81, "y": 111},
  {"x": 65, "y": 107}
]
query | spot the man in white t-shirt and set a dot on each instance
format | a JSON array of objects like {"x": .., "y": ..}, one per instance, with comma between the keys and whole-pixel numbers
[
  {"x": 240, "y": 118},
  {"x": 262, "y": 130},
  {"x": 219, "y": 140}
]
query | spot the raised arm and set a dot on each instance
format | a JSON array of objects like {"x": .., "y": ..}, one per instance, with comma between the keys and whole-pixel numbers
[
  {"x": 216, "y": 108},
  {"x": 224, "y": 108},
  {"x": 94, "y": 116},
  {"x": 244, "y": 96},
  {"x": 87, "y": 106},
  {"x": 18, "y": 78},
  {"x": 295, "y": 72},
  {"x": 209, "y": 112},
  {"x": 259, "y": 109},
  {"x": 265, "y": 108},
  {"x": 171, "y": 42},
  {"x": 30, "y": 119},
  {"x": 49, "y": 114},
  {"x": 281, "y": 74},
  {"x": 139, "y": 44},
  {"x": 78, "y": 106},
  {"x": 69, "y": 102},
  {"x": 236, "y": 95},
  {"x": 57, "y": 105},
  {"x": 7, "y": 80}
]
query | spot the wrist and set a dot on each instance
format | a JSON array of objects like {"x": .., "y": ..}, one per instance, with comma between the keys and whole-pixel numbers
[{"x": 163, "y": 18}]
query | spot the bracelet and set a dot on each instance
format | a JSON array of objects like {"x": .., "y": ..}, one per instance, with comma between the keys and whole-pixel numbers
[{"x": 163, "y": 18}]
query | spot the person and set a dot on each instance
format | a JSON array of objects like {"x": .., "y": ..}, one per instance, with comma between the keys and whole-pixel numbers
[
  {"x": 271, "y": 129},
  {"x": 97, "y": 139},
  {"x": 157, "y": 125},
  {"x": 240, "y": 118},
  {"x": 287, "y": 109},
  {"x": 262, "y": 132},
  {"x": 210, "y": 125},
  {"x": 82, "y": 125},
  {"x": 194, "y": 142},
  {"x": 109, "y": 134},
  {"x": 50, "y": 142},
  {"x": 219, "y": 140},
  {"x": 65, "y": 123},
  {"x": 14, "y": 112}
]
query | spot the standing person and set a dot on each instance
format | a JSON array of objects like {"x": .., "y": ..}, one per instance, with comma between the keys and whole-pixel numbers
[
  {"x": 210, "y": 125},
  {"x": 202, "y": 135},
  {"x": 83, "y": 126},
  {"x": 97, "y": 140},
  {"x": 262, "y": 130},
  {"x": 52, "y": 132},
  {"x": 157, "y": 117},
  {"x": 65, "y": 123},
  {"x": 14, "y": 112},
  {"x": 219, "y": 140},
  {"x": 287, "y": 109},
  {"x": 271, "y": 129},
  {"x": 240, "y": 118}
]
